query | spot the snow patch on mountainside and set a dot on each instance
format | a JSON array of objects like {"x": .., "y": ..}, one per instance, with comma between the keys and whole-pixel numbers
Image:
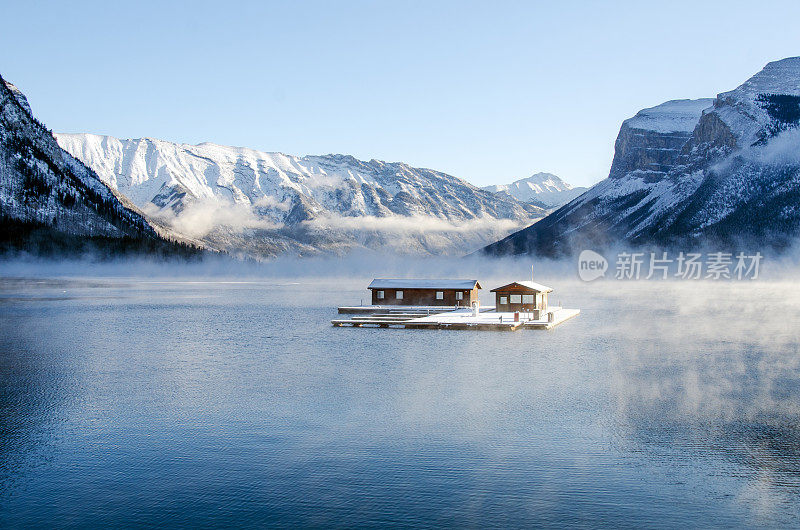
[{"x": 679, "y": 115}]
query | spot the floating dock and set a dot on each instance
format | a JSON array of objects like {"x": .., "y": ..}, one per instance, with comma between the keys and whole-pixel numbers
[
  {"x": 425, "y": 318},
  {"x": 415, "y": 309}
]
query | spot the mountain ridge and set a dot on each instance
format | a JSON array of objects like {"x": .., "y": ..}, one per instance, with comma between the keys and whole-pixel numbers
[
  {"x": 722, "y": 171},
  {"x": 242, "y": 199}
]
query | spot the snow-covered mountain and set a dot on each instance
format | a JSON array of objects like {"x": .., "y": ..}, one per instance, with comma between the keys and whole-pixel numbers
[
  {"x": 542, "y": 189},
  {"x": 262, "y": 204},
  {"x": 43, "y": 188},
  {"x": 723, "y": 171}
]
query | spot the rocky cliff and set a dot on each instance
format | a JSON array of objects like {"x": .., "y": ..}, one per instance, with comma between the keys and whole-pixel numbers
[{"x": 650, "y": 143}]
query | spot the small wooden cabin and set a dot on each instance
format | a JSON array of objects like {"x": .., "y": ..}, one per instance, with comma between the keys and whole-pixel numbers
[
  {"x": 424, "y": 292},
  {"x": 521, "y": 296}
]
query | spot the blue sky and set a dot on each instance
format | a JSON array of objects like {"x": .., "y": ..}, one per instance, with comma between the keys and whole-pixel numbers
[{"x": 489, "y": 91}]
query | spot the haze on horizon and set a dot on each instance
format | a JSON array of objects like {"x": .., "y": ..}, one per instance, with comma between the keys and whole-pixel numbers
[{"x": 488, "y": 93}]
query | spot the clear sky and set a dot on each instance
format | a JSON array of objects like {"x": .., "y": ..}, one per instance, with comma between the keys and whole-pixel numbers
[{"x": 487, "y": 91}]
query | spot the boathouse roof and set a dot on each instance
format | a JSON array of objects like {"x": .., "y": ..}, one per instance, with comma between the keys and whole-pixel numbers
[
  {"x": 533, "y": 286},
  {"x": 406, "y": 283}
]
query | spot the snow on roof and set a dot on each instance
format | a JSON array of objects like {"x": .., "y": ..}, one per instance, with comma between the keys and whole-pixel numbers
[
  {"x": 530, "y": 285},
  {"x": 382, "y": 283}
]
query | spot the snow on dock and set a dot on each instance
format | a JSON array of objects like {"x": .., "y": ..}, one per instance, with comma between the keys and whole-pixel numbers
[
  {"x": 424, "y": 309},
  {"x": 463, "y": 318}
]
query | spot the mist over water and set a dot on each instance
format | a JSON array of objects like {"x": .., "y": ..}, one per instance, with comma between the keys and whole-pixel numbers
[{"x": 147, "y": 394}]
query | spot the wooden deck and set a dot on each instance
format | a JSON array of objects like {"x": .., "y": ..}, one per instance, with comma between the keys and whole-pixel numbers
[
  {"x": 411, "y": 324},
  {"x": 453, "y": 319},
  {"x": 561, "y": 316},
  {"x": 415, "y": 309}
]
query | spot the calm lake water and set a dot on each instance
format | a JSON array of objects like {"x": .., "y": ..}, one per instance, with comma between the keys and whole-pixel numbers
[{"x": 182, "y": 403}]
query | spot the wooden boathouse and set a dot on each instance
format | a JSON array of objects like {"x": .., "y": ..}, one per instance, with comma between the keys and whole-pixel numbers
[
  {"x": 453, "y": 304},
  {"x": 409, "y": 292},
  {"x": 525, "y": 297}
]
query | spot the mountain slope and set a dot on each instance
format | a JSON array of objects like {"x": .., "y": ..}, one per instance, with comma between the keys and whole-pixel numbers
[
  {"x": 720, "y": 172},
  {"x": 263, "y": 204},
  {"x": 44, "y": 188},
  {"x": 543, "y": 189}
]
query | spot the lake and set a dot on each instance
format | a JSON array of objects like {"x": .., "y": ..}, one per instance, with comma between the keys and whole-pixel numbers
[{"x": 187, "y": 402}]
